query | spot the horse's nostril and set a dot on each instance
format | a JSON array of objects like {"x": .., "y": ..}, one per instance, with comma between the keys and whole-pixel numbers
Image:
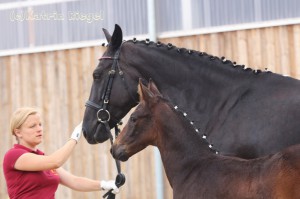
[{"x": 84, "y": 132}]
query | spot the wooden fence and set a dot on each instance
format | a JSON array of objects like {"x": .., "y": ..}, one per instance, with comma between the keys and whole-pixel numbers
[{"x": 59, "y": 83}]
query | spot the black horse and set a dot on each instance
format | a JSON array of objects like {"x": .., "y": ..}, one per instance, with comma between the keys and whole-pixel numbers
[
  {"x": 193, "y": 170},
  {"x": 243, "y": 112}
]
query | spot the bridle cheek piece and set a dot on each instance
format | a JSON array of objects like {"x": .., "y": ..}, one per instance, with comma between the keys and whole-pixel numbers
[{"x": 103, "y": 115}]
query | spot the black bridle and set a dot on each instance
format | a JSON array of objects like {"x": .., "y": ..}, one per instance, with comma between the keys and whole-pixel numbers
[{"x": 103, "y": 115}]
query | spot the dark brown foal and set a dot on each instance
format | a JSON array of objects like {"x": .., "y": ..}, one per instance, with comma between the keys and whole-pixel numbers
[{"x": 193, "y": 169}]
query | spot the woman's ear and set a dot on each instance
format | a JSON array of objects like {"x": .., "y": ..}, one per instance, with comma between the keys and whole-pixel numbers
[{"x": 17, "y": 133}]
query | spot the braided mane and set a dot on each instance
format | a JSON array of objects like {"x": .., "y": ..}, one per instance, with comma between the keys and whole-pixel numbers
[{"x": 205, "y": 55}]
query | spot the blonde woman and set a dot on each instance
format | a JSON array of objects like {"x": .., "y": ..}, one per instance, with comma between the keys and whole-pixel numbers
[{"x": 31, "y": 174}]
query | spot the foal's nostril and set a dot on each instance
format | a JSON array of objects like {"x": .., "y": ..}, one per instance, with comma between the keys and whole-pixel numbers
[{"x": 112, "y": 152}]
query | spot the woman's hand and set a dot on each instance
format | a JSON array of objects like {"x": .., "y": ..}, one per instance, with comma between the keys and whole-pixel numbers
[
  {"x": 108, "y": 185},
  {"x": 77, "y": 132}
]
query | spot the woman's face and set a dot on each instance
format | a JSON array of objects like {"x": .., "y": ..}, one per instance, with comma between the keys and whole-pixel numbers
[{"x": 31, "y": 132}]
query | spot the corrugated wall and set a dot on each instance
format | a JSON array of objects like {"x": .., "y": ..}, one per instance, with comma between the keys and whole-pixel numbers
[
  {"x": 28, "y": 24},
  {"x": 59, "y": 83}
]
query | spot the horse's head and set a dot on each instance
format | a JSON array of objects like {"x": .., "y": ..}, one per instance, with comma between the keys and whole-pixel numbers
[
  {"x": 112, "y": 93},
  {"x": 141, "y": 130}
]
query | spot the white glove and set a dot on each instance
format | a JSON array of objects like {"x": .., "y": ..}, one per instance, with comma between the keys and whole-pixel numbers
[
  {"x": 77, "y": 132},
  {"x": 108, "y": 185}
]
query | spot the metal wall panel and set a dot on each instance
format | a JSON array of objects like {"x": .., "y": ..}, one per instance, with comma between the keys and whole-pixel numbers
[{"x": 67, "y": 21}]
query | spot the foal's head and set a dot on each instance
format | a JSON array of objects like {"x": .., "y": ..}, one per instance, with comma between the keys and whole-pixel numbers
[{"x": 141, "y": 129}]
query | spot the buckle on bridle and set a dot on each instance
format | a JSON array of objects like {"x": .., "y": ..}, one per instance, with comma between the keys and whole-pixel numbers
[{"x": 103, "y": 116}]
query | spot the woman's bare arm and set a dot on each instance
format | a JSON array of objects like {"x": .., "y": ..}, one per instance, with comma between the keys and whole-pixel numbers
[
  {"x": 34, "y": 162},
  {"x": 77, "y": 183}
]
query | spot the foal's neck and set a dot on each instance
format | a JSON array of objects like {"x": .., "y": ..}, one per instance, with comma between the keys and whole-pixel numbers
[{"x": 180, "y": 146}]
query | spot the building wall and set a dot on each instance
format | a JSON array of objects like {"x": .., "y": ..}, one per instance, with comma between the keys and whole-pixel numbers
[
  {"x": 40, "y": 23},
  {"x": 59, "y": 83}
]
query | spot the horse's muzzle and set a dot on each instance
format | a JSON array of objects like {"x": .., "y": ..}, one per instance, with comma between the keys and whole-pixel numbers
[{"x": 98, "y": 136}]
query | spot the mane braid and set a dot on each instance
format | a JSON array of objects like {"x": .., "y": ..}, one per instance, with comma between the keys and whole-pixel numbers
[
  {"x": 191, "y": 122},
  {"x": 223, "y": 60}
]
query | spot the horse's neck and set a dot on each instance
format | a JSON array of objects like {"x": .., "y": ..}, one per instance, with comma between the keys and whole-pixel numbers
[
  {"x": 189, "y": 81},
  {"x": 181, "y": 148}
]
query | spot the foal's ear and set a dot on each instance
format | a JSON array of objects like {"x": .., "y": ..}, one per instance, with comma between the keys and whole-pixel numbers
[
  {"x": 117, "y": 37},
  {"x": 153, "y": 88},
  {"x": 144, "y": 92}
]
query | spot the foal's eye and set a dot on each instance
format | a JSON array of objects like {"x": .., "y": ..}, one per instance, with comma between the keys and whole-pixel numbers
[{"x": 132, "y": 119}]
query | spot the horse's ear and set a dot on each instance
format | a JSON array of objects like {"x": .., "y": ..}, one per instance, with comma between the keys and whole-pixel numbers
[
  {"x": 144, "y": 92},
  {"x": 153, "y": 88},
  {"x": 107, "y": 35},
  {"x": 117, "y": 37}
]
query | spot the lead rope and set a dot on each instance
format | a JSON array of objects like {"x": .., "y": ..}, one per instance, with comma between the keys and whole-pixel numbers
[{"x": 120, "y": 178}]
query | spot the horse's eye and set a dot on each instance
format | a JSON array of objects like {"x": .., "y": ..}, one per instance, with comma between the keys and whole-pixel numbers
[
  {"x": 96, "y": 76},
  {"x": 132, "y": 119}
]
